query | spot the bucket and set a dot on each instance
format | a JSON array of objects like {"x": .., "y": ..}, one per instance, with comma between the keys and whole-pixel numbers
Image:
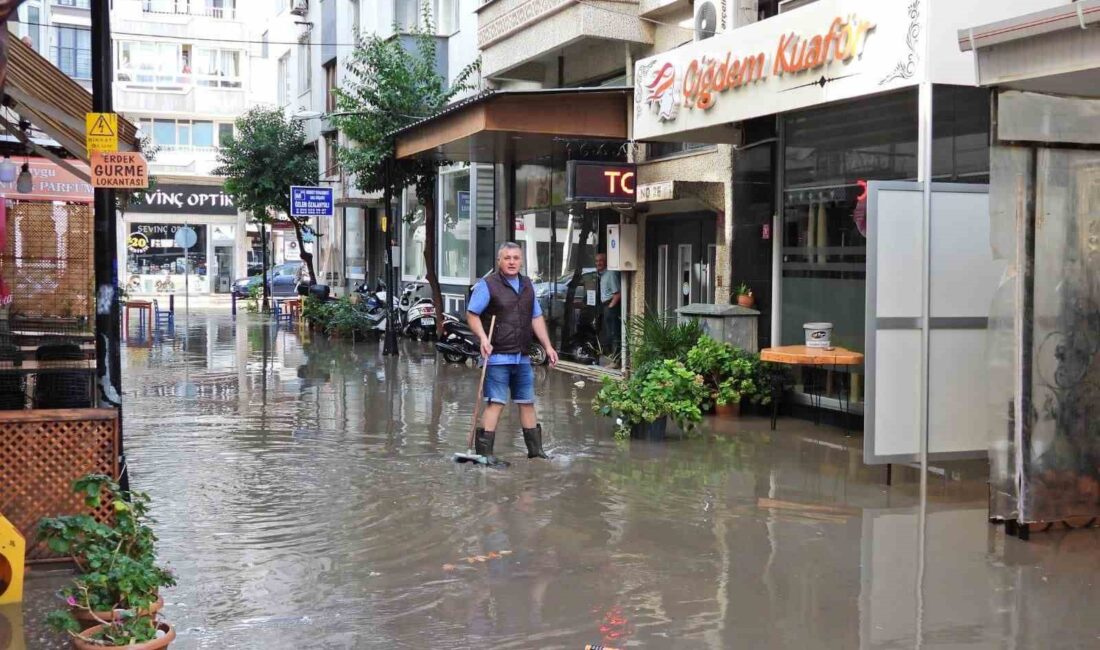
[{"x": 819, "y": 335}]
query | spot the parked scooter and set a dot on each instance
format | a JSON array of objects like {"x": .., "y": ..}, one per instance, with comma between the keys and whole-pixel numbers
[
  {"x": 417, "y": 312},
  {"x": 459, "y": 343},
  {"x": 373, "y": 304}
]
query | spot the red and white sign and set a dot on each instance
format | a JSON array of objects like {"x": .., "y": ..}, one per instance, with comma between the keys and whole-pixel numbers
[
  {"x": 122, "y": 170},
  {"x": 50, "y": 182}
]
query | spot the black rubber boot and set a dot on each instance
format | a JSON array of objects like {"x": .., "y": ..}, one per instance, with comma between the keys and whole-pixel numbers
[
  {"x": 533, "y": 438},
  {"x": 483, "y": 444}
]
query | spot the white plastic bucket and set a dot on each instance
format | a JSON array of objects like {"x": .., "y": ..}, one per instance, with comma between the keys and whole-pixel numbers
[{"x": 818, "y": 335}]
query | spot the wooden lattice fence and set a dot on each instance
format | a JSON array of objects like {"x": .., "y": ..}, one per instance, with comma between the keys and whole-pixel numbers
[
  {"x": 48, "y": 260},
  {"x": 41, "y": 453}
]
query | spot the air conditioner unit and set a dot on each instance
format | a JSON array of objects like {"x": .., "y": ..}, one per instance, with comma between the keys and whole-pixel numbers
[
  {"x": 716, "y": 16},
  {"x": 300, "y": 8}
]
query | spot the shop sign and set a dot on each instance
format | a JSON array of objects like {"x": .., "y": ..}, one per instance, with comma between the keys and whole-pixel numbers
[
  {"x": 826, "y": 51},
  {"x": 662, "y": 191},
  {"x": 311, "y": 202},
  {"x": 137, "y": 242},
  {"x": 51, "y": 182},
  {"x": 122, "y": 171},
  {"x": 597, "y": 181},
  {"x": 178, "y": 198}
]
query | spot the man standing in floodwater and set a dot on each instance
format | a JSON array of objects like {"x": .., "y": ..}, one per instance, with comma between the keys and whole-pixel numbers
[{"x": 510, "y": 297}]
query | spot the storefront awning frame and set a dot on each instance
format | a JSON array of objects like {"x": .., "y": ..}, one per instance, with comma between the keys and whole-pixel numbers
[{"x": 482, "y": 128}]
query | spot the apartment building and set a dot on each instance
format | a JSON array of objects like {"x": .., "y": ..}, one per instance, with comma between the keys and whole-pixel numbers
[
  {"x": 184, "y": 70},
  {"x": 59, "y": 30}
]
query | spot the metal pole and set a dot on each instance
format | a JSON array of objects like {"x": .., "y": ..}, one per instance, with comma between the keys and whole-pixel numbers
[
  {"x": 107, "y": 319},
  {"x": 390, "y": 345},
  {"x": 263, "y": 273}
]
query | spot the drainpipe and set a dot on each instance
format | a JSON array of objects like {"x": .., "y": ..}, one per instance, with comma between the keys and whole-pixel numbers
[
  {"x": 625, "y": 286},
  {"x": 105, "y": 223}
]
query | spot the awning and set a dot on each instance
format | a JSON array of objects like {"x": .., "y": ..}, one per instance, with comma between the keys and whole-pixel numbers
[
  {"x": 52, "y": 101},
  {"x": 494, "y": 124},
  {"x": 1053, "y": 51}
]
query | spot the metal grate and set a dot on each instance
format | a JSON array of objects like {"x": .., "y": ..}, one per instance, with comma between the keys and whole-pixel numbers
[{"x": 41, "y": 454}]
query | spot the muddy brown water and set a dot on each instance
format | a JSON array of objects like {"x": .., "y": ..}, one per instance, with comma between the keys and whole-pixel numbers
[{"x": 305, "y": 495}]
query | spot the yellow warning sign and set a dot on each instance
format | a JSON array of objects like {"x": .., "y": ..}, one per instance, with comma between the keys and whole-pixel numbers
[{"x": 101, "y": 132}]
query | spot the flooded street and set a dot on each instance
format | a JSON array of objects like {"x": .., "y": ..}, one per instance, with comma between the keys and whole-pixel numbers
[{"x": 306, "y": 497}]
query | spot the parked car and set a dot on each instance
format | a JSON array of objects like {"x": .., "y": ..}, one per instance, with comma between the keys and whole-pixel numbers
[
  {"x": 551, "y": 296},
  {"x": 282, "y": 278}
]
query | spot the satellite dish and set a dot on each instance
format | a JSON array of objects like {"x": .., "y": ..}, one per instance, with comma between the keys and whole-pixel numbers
[{"x": 706, "y": 20}]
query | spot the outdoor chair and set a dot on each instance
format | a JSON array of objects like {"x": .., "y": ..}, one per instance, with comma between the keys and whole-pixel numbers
[
  {"x": 59, "y": 389},
  {"x": 163, "y": 318}
]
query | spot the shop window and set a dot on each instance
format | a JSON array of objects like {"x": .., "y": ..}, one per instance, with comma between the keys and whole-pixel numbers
[
  {"x": 163, "y": 66},
  {"x": 413, "y": 237},
  {"x": 455, "y": 226},
  {"x": 152, "y": 258},
  {"x": 72, "y": 51},
  {"x": 960, "y": 134}
]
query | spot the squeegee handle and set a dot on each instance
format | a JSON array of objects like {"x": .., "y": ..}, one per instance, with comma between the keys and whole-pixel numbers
[{"x": 480, "y": 389}]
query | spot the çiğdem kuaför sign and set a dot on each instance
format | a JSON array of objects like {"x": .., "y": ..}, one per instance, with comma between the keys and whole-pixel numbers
[{"x": 311, "y": 201}]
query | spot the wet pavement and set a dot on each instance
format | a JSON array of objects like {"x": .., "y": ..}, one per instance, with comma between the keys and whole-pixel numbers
[{"x": 305, "y": 495}]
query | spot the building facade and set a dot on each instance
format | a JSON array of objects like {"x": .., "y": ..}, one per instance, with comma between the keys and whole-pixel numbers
[{"x": 184, "y": 72}]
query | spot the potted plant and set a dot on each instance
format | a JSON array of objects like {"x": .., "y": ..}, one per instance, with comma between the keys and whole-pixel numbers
[
  {"x": 744, "y": 295},
  {"x": 730, "y": 374},
  {"x": 115, "y": 600},
  {"x": 654, "y": 393}
]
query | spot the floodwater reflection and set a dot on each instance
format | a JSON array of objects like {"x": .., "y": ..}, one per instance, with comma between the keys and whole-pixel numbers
[{"x": 306, "y": 497}]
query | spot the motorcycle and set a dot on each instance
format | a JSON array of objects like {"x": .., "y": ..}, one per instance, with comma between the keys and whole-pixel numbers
[
  {"x": 459, "y": 343},
  {"x": 373, "y": 304},
  {"x": 417, "y": 312}
]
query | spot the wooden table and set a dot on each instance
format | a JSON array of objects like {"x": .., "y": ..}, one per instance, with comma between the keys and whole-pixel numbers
[
  {"x": 801, "y": 355},
  {"x": 140, "y": 305}
]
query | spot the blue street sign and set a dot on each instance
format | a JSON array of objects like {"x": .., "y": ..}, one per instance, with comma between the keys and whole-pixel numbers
[
  {"x": 311, "y": 201},
  {"x": 186, "y": 237}
]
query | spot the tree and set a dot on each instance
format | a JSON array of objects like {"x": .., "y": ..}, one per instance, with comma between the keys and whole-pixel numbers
[
  {"x": 260, "y": 162},
  {"x": 392, "y": 84}
]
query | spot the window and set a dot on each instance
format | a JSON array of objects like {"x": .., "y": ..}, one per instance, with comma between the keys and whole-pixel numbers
[
  {"x": 413, "y": 237},
  {"x": 445, "y": 16},
  {"x": 217, "y": 68},
  {"x": 165, "y": 66},
  {"x": 184, "y": 134},
  {"x": 265, "y": 45},
  {"x": 330, "y": 87},
  {"x": 655, "y": 150},
  {"x": 332, "y": 166},
  {"x": 220, "y": 8},
  {"x": 406, "y": 14},
  {"x": 34, "y": 27},
  {"x": 225, "y": 133},
  {"x": 304, "y": 64},
  {"x": 455, "y": 226},
  {"x": 72, "y": 51},
  {"x": 284, "y": 79}
]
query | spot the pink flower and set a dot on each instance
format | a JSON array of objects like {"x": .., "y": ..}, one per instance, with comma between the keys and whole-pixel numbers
[{"x": 71, "y": 600}]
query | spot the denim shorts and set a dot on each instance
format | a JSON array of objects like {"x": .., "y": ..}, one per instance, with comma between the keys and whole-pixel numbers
[{"x": 515, "y": 378}]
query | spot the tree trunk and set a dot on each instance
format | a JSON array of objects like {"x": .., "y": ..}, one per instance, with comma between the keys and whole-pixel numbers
[
  {"x": 430, "y": 256},
  {"x": 306, "y": 257}
]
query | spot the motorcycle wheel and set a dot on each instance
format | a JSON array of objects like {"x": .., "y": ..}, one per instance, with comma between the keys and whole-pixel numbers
[
  {"x": 454, "y": 357},
  {"x": 537, "y": 354}
]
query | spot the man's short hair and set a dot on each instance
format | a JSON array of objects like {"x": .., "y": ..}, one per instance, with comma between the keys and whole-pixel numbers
[{"x": 506, "y": 246}]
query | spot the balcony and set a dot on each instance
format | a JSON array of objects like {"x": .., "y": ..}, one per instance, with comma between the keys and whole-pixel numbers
[
  {"x": 184, "y": 8},
  {"x": 520, "y": 38},
  {"x": 178, "y": 98}
]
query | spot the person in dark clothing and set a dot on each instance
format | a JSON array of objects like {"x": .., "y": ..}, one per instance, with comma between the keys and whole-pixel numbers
[{"x": 510, "y": 297}]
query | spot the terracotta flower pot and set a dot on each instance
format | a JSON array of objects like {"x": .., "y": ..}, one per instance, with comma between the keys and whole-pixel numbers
[
  {"x": 728, "y": 410},
  {"x": 85, "y": 617},
  {"x": 156, "y": 644},
  {"x": 746, "y": 301}
]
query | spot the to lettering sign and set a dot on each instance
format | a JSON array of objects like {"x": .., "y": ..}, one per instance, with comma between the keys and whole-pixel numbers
[{"x": 598, "y": 181}]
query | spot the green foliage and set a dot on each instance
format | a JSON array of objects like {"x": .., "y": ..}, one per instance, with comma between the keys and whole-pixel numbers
[
  {"x": 391, "y": 85},
  {"x": 261, "y": 161},
  {"x": 742, "y": 290},
  {"x": 730, "y": 373},
  {"x": 118, "y": 563},
  {"x": 654, "y": 338},
  {"x": 662, "y": 389},
  {"x": 252, "y": 302},
  {"x": 342, "y": 317}
]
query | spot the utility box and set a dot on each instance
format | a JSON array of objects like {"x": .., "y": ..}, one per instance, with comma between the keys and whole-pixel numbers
[
  {"x": 622, "y": 247},
  {"x": 731, "y": 324}
]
